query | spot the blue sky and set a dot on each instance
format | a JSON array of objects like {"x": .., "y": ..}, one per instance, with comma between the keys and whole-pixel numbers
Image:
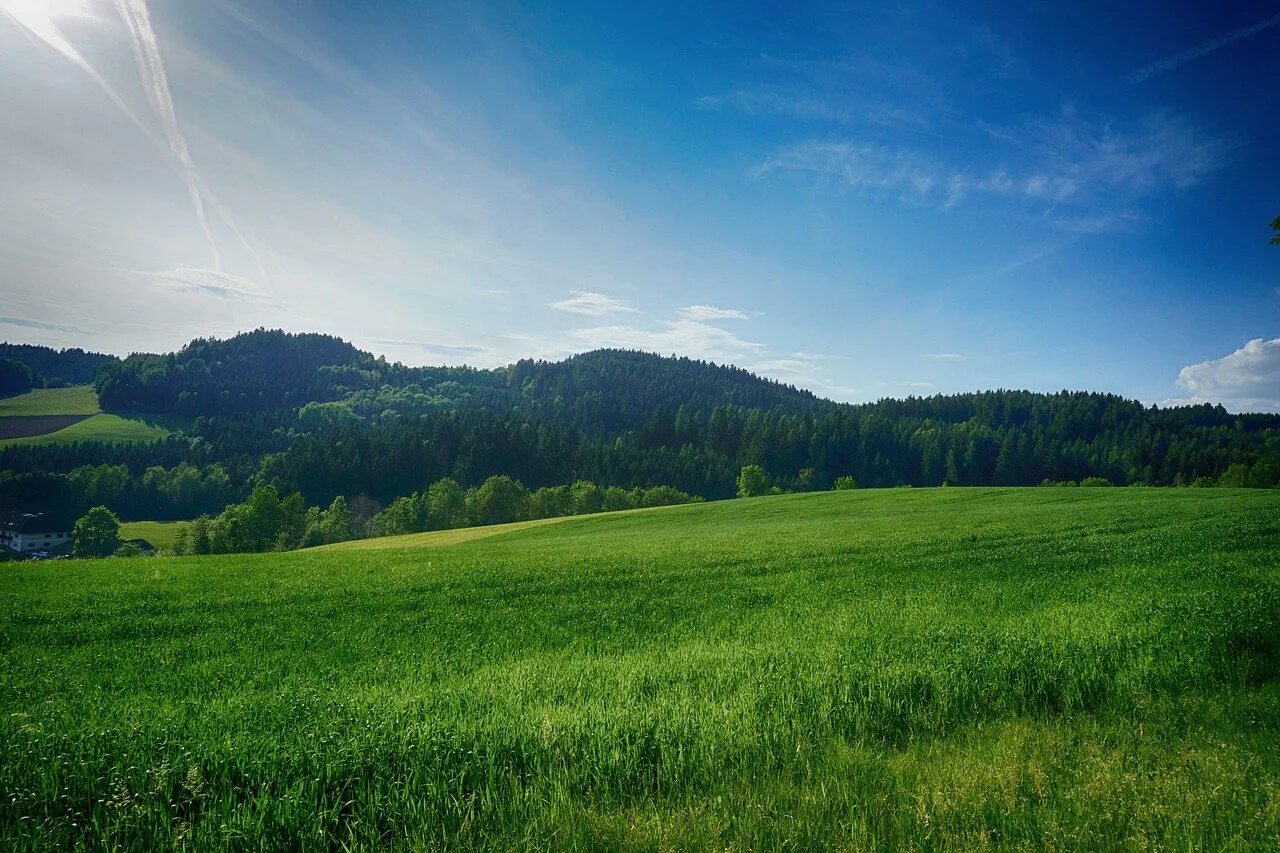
[{"x": 861, "y": 200}]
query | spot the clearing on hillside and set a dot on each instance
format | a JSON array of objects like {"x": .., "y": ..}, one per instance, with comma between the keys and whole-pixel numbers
[
  {"x": 900, "y": 669},
  {"x": 76, "y": 400},
  {"x": 161, "y": 534},
  {"x": 45, "y": 410},
  {"x": 66, "y": 415}
]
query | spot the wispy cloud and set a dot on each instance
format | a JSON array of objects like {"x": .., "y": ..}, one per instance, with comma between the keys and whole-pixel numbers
[
  {"x": 1089, "y": 173},
  {"x": 944, "y": 356},
  {"x": 805, "y": 369},
  {"x": 711, "y": 312},
  {"x": 434, "y": 348},
  {"x": 1171, "y": 62},
  {"x": 822, "y": 108},
  {"x": 682, "y": 337},
  {"x": 1245, "y": 380},
  {"x": 205, "y": 281},
  {"x": 592, "y": 304},
  {"x": 24, "y": 323}
]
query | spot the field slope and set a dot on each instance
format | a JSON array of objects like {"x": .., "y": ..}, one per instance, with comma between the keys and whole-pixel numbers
[
  {"x": 65, "y": 415},
  {"x": 904, "y": 669}
]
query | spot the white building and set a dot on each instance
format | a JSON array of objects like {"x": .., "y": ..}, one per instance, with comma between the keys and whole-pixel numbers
[{"x": 30, "y": 533}]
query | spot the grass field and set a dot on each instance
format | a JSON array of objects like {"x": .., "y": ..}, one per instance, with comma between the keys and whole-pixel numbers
[
  {"x": 161, "y": 534},
  {"x": 948, "y": 669},
  {"x": 77, "y": 400},
  {"x": 66, "y": 415},
  {"x": 102, "y": 427}
]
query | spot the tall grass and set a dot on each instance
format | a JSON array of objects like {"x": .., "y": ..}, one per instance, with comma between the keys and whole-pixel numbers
[{"x": 906, "y": 669}]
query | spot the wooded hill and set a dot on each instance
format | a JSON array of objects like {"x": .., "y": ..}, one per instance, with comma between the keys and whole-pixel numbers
[{"x": 313, "y": 414}]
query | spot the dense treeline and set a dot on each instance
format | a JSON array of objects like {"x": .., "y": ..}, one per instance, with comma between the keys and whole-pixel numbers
[
  {"x": 268, "y": 521},
  {"x": 16, "y": 377},
  {"x": 313, "y": 415},
  {"x": 57, "y": 368}
]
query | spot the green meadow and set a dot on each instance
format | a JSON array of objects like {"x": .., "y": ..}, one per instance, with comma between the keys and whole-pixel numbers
[
  {"x": 101, "y": 427},
  {"x": 161, "y": 534},
  {"x": 941, "y": 669},
  {"x": 67, "y": 415},
  {"x": 76, "y": 400}
]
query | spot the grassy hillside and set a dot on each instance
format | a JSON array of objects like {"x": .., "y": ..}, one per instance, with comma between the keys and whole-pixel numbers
[
  {"x": 102, "y": 427},
  {"x": 161, "y": 534},
  {"x": 65, "y": 415},
  {"x": 77, "y": 400},
  {"x": 906, "y": 669}
]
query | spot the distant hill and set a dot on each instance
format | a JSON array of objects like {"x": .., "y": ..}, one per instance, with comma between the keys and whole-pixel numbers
[
  {"x": 314, "y": 414},
  {"x": 608, "y": 391},
  {"x": 255, "y": 371},
  {"x": 57, "y": 368}
]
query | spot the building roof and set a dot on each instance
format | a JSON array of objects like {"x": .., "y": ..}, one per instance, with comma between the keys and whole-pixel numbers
[{"x": 16, "y": 521}]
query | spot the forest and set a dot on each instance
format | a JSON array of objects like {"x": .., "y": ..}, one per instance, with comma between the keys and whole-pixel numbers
[{"x": 312, "y": 415}]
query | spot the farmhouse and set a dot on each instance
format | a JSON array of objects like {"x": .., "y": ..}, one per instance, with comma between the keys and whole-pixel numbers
[{"x": 31, "y": 532}]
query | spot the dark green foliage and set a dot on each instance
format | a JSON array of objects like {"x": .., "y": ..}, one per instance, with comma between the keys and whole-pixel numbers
[
  {"x": 311, "y": 414},
  {"x": 1275, "y": 226},
  {"x": 96, "y": 534},
  {"x": 16, "y": 378},
  {"x": 57, "y": 368}
]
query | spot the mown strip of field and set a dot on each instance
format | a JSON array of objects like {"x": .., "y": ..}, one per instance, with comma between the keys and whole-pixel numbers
[{"x": 903, "y": 669}]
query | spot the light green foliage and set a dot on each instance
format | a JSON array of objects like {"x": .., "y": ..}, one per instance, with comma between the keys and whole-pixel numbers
[
  {"x": 845, "y": 484},
  {"x": 498, "y": 500},
  {"x": 96, "y": 534},
  {"x": 1095, "y": 482},
  {"x": 586, "y": 498},
  {"x": 945, "y": 669},
  {"x": 264, "y": 522},
  {"x": 753, "y": 482},
  {"x": 77, "y": 400},
  {"x": 446, "y": 504}
]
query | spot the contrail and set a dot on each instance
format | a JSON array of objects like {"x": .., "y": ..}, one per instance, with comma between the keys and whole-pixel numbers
[
  {"x": 1171, "y": 62},
  {"x": 48, "y": 33},
  {"x": 155, "y": 83},
  {"x": 146, "y": 49}
]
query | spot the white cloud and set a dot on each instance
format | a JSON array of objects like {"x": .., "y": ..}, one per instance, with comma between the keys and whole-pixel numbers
[
  {"x": 945, "y": 356},
  {"x": 592, "y": 304},
  {"x": 1246, "y": 380},
  {"x": 711, "y": 312}
]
